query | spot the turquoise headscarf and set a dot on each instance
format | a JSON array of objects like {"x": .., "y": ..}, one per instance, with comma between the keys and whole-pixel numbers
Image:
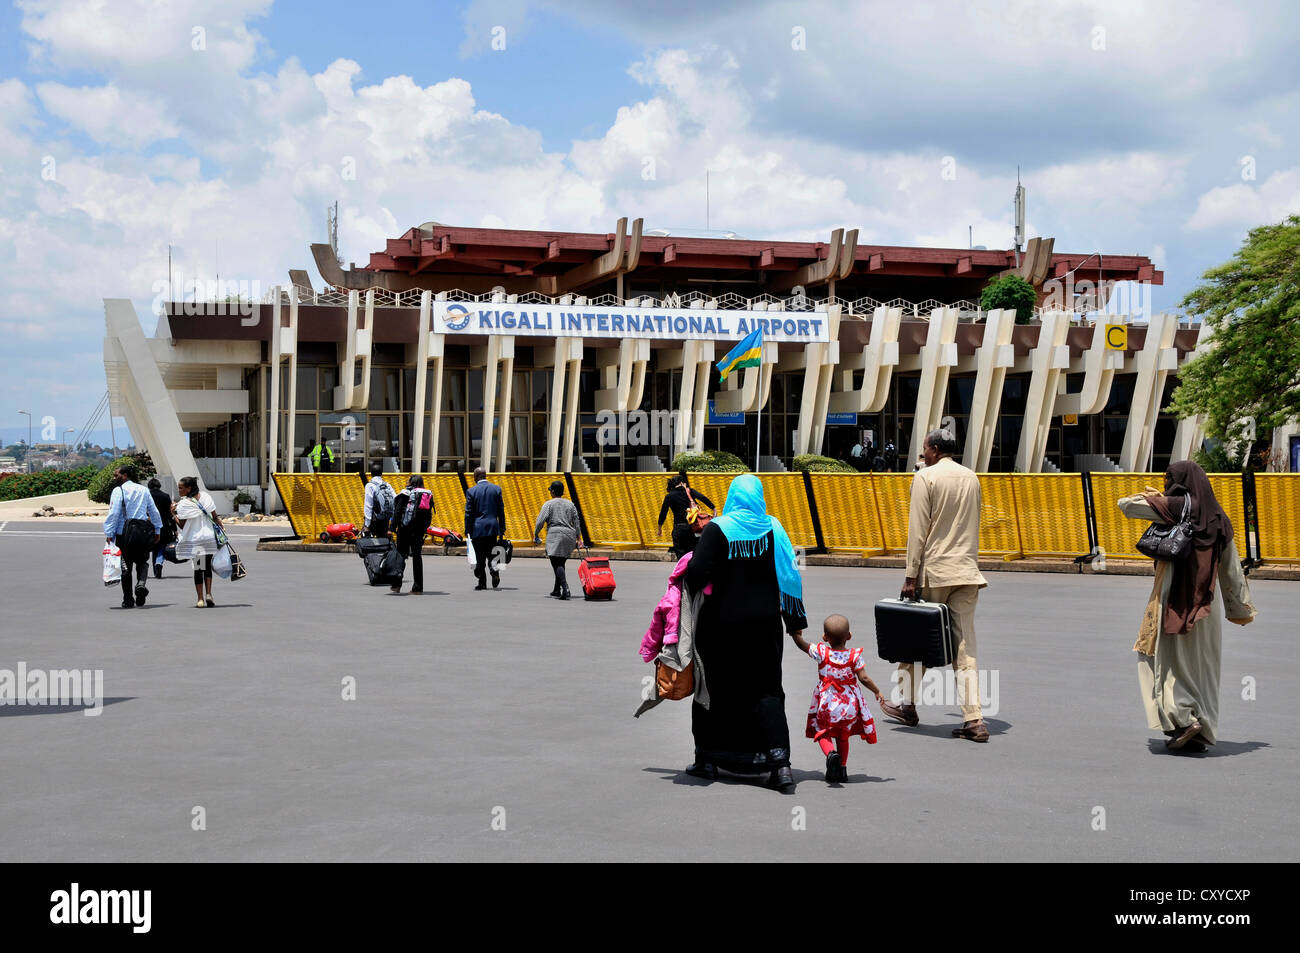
[{"x": 746, "y": 523}]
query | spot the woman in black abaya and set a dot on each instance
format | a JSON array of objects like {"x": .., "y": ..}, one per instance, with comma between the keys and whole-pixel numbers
[{"x": 757, "y": 597}]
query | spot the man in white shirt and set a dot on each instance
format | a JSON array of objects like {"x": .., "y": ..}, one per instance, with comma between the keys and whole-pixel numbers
[
  {"x": 943, "y": 541},
  {"x": 379, "y": 503}
]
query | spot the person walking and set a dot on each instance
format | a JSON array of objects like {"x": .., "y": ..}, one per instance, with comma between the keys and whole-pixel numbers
[
  {"x": 412, "y": 514},
  {"x": 485, "y": 523},
  {"x": 315, "y": 452},
  {"x": 679, "y": 500},
  {"x": 168, "y": 535},
  {"x": 1180, "y": 640},
  {"x": 560, "y": 517},
  {"x": 196, "y": 515},
  {"x": 757, "y": 596},
  {"x": 379, "y": 503},
  {"x": 133, "y": 524},
  {"x": 943, "y": 541}
]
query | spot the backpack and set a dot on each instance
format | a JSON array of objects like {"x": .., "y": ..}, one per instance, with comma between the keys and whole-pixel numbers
[{"x": 384, "y": 498}]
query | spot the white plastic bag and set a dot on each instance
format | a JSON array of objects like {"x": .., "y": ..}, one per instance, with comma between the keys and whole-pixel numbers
[
  {"x": 221, "y": 562},
  {"x": 112, "y": 565}
]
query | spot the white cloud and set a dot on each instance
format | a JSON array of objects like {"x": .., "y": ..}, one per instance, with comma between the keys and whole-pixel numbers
[
  {"x": 106, "y": 114},
  {"x": 1245, "y": 205}
]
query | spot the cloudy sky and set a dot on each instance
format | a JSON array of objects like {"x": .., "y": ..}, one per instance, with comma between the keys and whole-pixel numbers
[{"x": 225, "y": 128}]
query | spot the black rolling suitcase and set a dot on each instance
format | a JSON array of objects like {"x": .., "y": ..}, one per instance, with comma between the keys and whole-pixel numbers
[
  {"x": 914, "y": 631},
  {"x": 384, "y": 565}
]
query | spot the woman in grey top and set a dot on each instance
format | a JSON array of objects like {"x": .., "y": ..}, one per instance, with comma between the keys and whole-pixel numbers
[{"x": 560, "y": 517}]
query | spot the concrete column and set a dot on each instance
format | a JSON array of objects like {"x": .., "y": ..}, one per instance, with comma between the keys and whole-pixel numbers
[
  {"x": 938, "y": 355},
  {"x": 1099, "y": 366},
  {"x": 142, "y": 394},
  {"x": 292, "y": 335},
  {"x": 498, "y": 347},
  {"x": 421, "y": 379},
  {"x": 557, "y": 357},
  {"x": 571, "y": 404},
  {"x": 364, "y": 348},
  {"x": 994, "y": 355},
  {"x": 1050, "y": 359},
  {"x": 877, "y": 361},
  {"x": 344, "y": 393},
  {"x": 507, "y": 389},
  {"x": 273, "y": 447},
  {"x": 1154, "y": 362}
]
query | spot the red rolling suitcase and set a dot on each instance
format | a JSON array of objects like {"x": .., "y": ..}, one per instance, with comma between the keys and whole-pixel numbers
[{"x": 597, "y": 578}]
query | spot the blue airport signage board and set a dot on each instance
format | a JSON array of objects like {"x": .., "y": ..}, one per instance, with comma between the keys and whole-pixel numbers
[
  {"x": 717, "y": 418},
  {"x": 840, "y": 419}
]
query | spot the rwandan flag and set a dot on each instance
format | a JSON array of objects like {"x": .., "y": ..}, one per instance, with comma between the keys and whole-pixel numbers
[{"x": 748, "y": 353}]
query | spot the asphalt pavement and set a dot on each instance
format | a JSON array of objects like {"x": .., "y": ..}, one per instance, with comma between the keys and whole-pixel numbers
[{"x": 498, "y": 726}]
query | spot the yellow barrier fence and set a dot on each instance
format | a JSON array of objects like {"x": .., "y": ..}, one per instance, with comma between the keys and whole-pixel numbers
[
  {"x": 1037, "y": 515},
  {"x": 1277, "y": 496},
  {"x": 1049, "y": 510},
  {"x": 850, "y": 518}
]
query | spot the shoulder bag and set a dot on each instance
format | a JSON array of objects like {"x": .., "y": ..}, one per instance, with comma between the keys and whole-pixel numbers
[
  {"x": 1172, "y": 543},
  {"x": 696, "y": 517}
]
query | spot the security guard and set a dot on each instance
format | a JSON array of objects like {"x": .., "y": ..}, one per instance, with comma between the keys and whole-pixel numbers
[{"x": 313, "y": 453}]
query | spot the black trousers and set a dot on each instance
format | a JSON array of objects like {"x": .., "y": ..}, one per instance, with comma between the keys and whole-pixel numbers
[
  {"x": 202, "y": 575},
  {"x": 378, "y": 527},
  {"x": 135, "y": 560},
  {"x": 483, "y": 546},
  {"x": 561, "y": 581},
  {"x": 410, "y": 547}
]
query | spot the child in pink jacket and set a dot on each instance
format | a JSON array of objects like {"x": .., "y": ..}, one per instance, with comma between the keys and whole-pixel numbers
[{"x": 663, "y": 624}]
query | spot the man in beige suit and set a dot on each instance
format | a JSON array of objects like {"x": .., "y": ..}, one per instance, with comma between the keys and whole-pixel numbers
[{"x": 943, "y": 541}]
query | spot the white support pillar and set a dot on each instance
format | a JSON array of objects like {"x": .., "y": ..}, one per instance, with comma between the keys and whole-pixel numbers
[
  {"x": 1099, "y": 367},
  {"x": 498, "y": 348},
  {"x": 291, "y": 335},
  {"x": 876, "y": 361},
  {"x": 938, "y": 356},
  {"x": 273, "y": 351},
  {"x": 344, "y": 391},
  {"x": 142, "y": 393},
  {"x": 364, "y": 348},
  {"x": 558, "y": 358},
  {"x": 1049, "y": 360},
  {"x": 994, "y": 355},
  {"x": 1191, "y": 430},
  {"x": 574, "y": 373},
  {"x": 507, "y": 389},
  {"x": 622, "y": 373},
  {"x": 421, "y": 379},
  {"x": 1154, "y": 362}
]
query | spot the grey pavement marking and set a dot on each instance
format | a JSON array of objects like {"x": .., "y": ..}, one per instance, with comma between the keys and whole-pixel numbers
[{"x": 467, "y": 703}]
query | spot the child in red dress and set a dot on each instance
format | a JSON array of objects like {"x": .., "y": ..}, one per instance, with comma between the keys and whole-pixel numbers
[{"x": 838, "y": 708}]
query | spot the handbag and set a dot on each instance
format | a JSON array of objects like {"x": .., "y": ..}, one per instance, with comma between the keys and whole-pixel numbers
[
  {"x": 1172, "y": 543},
  {"x": 696, "y": 517},
  {"x": 237, "y": 569},
  {"x": 672, "y": 684}
]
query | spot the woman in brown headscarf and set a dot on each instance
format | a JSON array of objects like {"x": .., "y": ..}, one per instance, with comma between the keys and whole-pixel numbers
[{"x": 1180, "y": 642}]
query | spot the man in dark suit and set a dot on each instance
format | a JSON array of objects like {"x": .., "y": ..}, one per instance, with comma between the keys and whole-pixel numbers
[
  {"x": 168, "y": 535},
  {"x": 485, "y": 523}
]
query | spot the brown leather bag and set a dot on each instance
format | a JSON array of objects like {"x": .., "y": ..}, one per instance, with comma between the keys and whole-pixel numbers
[{"x": 672, "y": 684}]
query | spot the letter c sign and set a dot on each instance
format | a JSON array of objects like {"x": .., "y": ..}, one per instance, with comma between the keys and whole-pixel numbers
[{"x": 1117, "y": 337}]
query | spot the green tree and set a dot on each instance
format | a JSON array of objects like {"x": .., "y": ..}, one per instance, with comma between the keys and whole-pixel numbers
[
  {"x": 1251, "y": 306},
  {"x": 1010, "y": 291}
]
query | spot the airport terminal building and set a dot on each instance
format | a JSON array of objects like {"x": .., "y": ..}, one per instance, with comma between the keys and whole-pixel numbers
[{"x": 559, "y": 351}]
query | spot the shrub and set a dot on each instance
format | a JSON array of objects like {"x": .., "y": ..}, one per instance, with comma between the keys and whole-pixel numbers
[
  {"x": 710, "y": 461},
  {"x": 20, "y": 486},
  {"x": 815, "y": 463},
  {"x": 101, "y": 485},
  {"x": 1010, "y": 291}
]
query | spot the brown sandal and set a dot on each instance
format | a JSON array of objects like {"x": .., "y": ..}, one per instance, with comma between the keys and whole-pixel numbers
[{"x": 1184, "y": 735}]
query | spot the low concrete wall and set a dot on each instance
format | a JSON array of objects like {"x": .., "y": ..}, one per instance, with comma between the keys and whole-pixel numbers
[{"x": 24, "y": 508}]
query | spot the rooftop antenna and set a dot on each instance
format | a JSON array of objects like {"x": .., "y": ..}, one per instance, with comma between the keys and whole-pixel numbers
[
  {"x": 332, "y": 220},
  {"x": 706, "y": 199},
  {"x": 1020, "y": 216}
]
